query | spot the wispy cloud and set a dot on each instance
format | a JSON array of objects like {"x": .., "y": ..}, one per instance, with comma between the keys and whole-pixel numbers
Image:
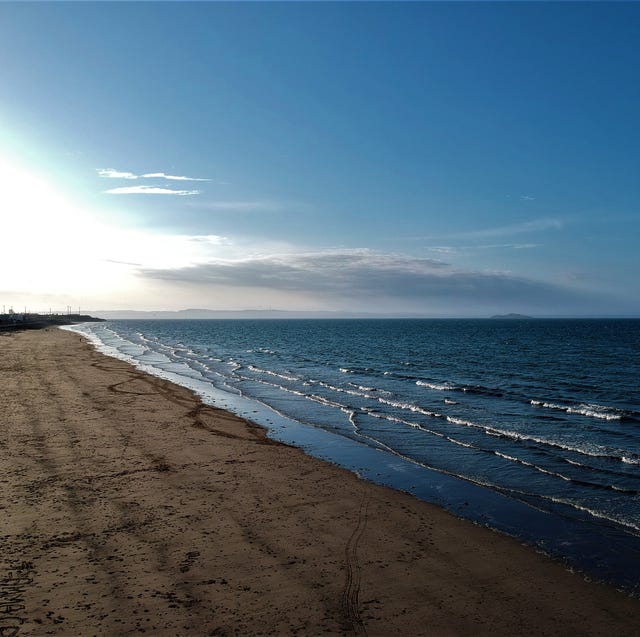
[
  {"x": 523, "y": 227},
  {"x": 486, "y": 246},
  {"x": 112, "y": 173},
  {"x": 535, "y": 225},
  {"x": 527, "y": 198},
  {"x": 239, "y": 206},
  {"x": 149, "y": 190},
  {"x": 172, "y": 177},
  {"x": 502, "y": 246}
]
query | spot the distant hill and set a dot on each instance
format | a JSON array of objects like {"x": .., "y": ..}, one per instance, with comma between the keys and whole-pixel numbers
[
  {"x": 196, "y": 313},
  {"x": 201, "y": 313},
  {"x": 511, "y": 315}
]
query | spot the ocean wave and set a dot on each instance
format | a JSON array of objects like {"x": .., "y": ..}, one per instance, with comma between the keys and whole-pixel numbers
[
  {"x": 622, "y": 473},
  {"x": 367, "y": 389},
  {"x": 436, "y": 386},
  {"x": 408, "y": 407},
  {"x": 532, "y": 466},
  {"x": 362, "y": 387},
  {"x": 466, "y": 389},
  {"x": 258, "y": 370},
  {"x": 597, "y": 514},
  {"x": 356, "y": 370},
  {"x": 584, "y": 409},
  {"x": 329, "y": 403},
  {"x": 481, "y": 389},
  {"x": 439, "y": 434},
  {"x": 408, "y": 423},
  {"x": 261, "y": 350},
  {"x": 583, "y": 483},
  {"x": 596, "y": 451}
]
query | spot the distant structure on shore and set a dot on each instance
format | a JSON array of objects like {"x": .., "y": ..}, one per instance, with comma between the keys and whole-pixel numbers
[{"x": 31, "y": 321}]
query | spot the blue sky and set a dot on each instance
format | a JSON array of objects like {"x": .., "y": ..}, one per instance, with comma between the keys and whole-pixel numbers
[{"x": 443, "y": 159}]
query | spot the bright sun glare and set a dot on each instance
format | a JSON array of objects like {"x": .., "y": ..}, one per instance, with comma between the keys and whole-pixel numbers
[{"x": 51, "y": 245}]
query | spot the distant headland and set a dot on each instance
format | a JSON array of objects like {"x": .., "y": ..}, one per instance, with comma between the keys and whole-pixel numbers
[
  {"x": 30, "y": 321},
  {"x": 512, "y": 315}
]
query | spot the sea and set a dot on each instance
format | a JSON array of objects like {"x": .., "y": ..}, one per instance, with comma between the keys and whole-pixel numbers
[{"x": 529, "y": 427}]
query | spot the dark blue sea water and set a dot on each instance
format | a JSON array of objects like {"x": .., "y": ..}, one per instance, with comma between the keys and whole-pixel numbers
[{"x": 531, "y": 427}]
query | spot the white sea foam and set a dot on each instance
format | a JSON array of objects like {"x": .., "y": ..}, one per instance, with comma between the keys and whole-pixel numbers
[
  {"x": 462, "y": 444},
  {"x": 341, "y": 390},
  {"x": 465, "y": 423},
  {"x": 408, "y": 423},
  {"x": 416, "y": 425},
  {"x": 593, "y": 512},
  {"x": 408, "y": 407},
  {"x": 533, "y": 466},
  {"x": 367, "y": 389},
  {"x": 253, "y": 368},
  {"x": 591, "y": 410},
  {"x": 329, "y": 403},
  {"x": 364, "y": 387},
  {"x": 436, "y": 386},
  {"x": 595, "y": 451}
]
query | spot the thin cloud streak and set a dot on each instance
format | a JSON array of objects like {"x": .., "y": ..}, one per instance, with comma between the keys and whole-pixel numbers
[
  {"x": 535, "y": 225},
  {"x": 490, "y": 246},
  {"x": 525, "y": 227},
  {"x": 238, "y": 206},
  {"x": 112, "y": 173},
  {"x": 172, "y": 177},
  {"x": 149, "y": 190}
]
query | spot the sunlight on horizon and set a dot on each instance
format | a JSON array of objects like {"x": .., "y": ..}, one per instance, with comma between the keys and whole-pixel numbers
[{"x": 52, "y": 246}]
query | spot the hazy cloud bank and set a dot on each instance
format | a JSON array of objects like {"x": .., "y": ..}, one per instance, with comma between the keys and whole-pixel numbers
[{"x": 363, "y": 275}]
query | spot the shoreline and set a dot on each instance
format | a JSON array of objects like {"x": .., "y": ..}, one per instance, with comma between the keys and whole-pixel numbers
[
  {"x": 132, "y": 507},
  {"x": 580, "y": 544}
]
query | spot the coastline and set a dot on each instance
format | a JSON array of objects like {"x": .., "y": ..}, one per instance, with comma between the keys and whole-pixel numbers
[{"x": 132, "y": 507}]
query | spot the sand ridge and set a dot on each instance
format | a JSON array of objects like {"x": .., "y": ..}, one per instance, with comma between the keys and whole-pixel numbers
[{"x": 128, "y": 507}]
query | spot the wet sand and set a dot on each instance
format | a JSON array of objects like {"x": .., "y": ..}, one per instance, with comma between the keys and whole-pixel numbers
[{"x": 128, "y": 507}]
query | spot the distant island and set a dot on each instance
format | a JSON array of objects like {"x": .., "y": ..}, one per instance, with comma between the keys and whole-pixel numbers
[
  {"x": 201, "y": 313},
  {"x": 30, "y": 321},
  {"x": 512, "y": 315}
]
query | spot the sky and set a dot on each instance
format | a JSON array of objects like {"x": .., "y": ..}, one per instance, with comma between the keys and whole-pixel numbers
[{"x": 433, "y": 159}]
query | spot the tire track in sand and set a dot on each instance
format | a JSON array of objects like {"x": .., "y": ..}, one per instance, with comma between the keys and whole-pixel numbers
[{"x": 351, "y": 592}]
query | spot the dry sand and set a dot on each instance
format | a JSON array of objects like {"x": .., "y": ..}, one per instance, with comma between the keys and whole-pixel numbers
[{"x": 128, "y": 507}]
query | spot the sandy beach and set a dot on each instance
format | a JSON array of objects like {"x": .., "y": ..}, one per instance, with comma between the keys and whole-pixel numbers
[{"x": 129, "y": 507}]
